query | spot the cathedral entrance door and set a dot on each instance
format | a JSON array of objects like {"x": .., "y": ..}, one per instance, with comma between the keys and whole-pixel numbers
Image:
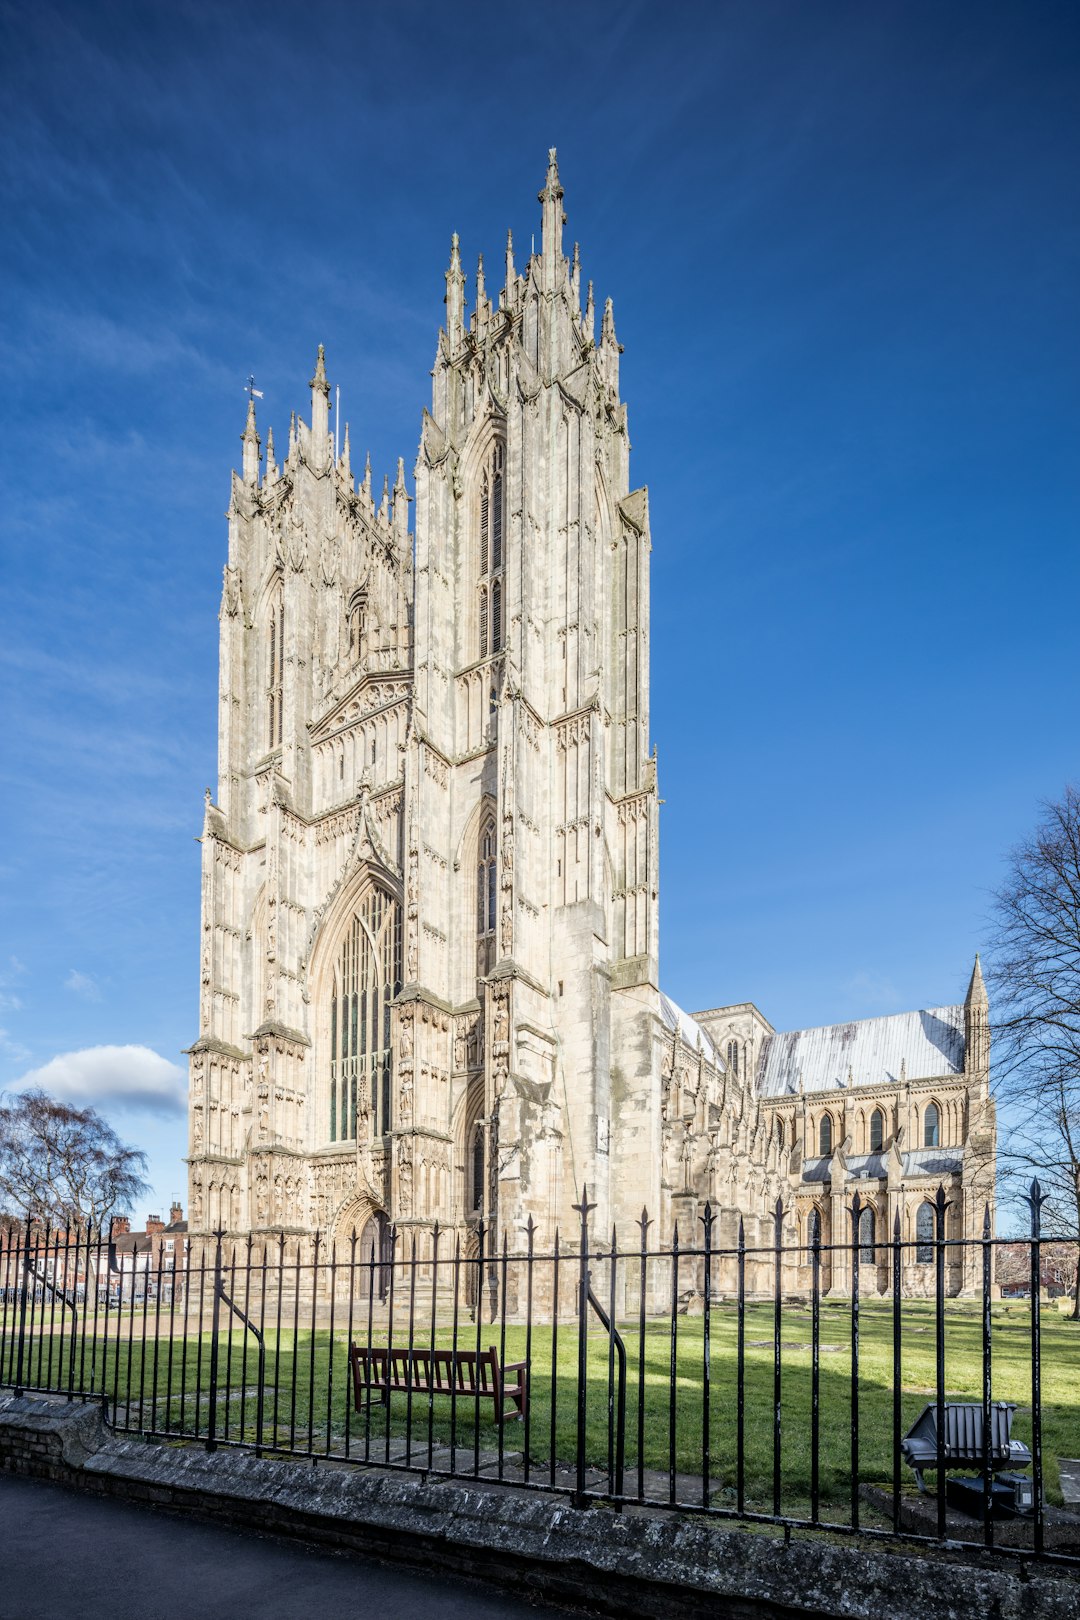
[{"x": 375, "y": 1253}]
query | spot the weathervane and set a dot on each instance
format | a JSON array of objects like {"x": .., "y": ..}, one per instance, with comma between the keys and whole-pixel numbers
[{"x": 250, "y": 389}]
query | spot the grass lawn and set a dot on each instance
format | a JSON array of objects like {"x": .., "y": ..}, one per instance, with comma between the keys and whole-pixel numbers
[{"x": 301, "y": 1397}]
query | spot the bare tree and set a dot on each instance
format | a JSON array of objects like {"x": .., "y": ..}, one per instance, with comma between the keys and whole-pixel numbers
[
  {"x": 64, "y": 1165},
  {"x": 1035, "y": 977}
]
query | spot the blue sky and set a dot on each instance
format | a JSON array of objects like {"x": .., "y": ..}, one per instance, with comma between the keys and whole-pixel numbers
[{"x": 843, "y": 244}]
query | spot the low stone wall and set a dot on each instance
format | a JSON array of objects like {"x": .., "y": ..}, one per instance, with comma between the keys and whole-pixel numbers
[{"x": 650, "y": 1565}]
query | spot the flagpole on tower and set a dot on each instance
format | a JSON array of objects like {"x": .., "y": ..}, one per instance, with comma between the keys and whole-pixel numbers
[{"x": 337, "y": 424}]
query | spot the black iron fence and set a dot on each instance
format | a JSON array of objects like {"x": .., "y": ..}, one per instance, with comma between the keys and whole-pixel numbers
[{"x": 692, "y": 1375}]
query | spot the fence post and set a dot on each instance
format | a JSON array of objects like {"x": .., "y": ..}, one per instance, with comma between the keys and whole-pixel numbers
[
  {"x": 1035, "y": 1199},
  {"x": 740, "y": 1376},
  {"x": 815, "y": 1366},
  {"x": 211, "y": 1423},
  {"x": 856, "y": 1215},
  {"x": 644, "y": 1223},
  {"x": 940, "y": 1206},
  {"x": 778, "y": 1322},
  {"x": 582, "y": 1209},
  {"x": 987, "y": 1383},
  {"x": 706, "y": 1369},
  {"x": 24, "y": 1267},
  {"x": 897, "y": 1394}
]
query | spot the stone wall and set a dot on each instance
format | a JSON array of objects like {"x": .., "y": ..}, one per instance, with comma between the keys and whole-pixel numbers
[{"x": 655, "y": 1566}]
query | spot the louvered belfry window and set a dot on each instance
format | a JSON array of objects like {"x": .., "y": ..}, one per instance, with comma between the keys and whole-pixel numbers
[
  {"x": 367, "y": 977},
  {"x": 490, "y": 556},
  {"x": 275, "y": 671}
]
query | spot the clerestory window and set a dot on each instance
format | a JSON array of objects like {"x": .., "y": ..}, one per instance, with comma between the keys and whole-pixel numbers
[{"x": 877, "y": 1131}]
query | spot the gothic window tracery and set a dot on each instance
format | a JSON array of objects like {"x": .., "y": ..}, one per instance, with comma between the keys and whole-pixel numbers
[
  {"x": 490, "y": 556},
  {"x": 813, "y": 1230},
  {"x": 357, "y": 623},
  {"x": 733, "y": 1057},
  {"x": 924, "y": 1235},
  {"x": 825, "y": 1136},
  {"x": 486, "y": 894},
  {"x": 476, "y": 1191},
  {"x": 867, "y": 1236},
  {"x": 275, "y": 670},
  {"x": 932, "y": 1126},
  {"x": 367, "y": 976}
]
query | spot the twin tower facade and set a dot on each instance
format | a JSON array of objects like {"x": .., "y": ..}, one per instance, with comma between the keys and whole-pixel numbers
[{"x": 429, "y": 930}]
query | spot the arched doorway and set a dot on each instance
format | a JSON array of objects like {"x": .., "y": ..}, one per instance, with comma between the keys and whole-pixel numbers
[{"x": 375, "y": 1256}]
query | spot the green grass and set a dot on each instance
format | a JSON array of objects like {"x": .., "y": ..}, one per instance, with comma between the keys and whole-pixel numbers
[{"x": 298, "y": 1381}]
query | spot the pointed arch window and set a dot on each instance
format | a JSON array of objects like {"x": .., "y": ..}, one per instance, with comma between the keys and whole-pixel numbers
[
  {"x": 275, "y": 670},
  {"x": 924, "y": 1235},
  {"x": 825, "y": 1136},
  {"x": 931, "y": 1135},
  {"x": 877, "y": 1131},
  {"x": 476, "y": 1199},
  {"x": 496, "y": 615},
  {"x": 357, "y": 623},
  {"x": 733, "y": 1056},
  {"x": 367, "y": 977},
  {"x": 867, "y": 1249},
  {"x": 490, "y": 555},
  {"x": 813, "y": 1231},
  {"x": 486, "y": 879}
]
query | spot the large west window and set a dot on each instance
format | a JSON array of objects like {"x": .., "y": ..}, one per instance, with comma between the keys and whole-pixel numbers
[
  {"x": 490, "y": 556},
  {"x": 367, "y": 977}
]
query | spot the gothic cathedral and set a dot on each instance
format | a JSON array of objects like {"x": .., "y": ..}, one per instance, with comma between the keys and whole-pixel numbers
[{"x": 429, "y": 937}]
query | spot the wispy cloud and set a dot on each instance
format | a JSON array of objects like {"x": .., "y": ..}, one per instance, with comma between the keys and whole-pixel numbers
[
  {"x": 131, "y": 1077},
  {"x": 871, "y": 992},
  {"x": 12, "y": 1048},
  {"x": 82, "y": 984}
]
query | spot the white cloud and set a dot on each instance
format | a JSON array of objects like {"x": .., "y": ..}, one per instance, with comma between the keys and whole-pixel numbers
[
  {"x": 9, "y": 1003},
  {"x": 83, "y": 984},
  {"x": 124, "y": 1076}
]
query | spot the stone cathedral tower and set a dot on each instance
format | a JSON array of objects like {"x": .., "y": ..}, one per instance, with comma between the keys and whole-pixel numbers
[
  {"x": 429, "y": 951},
  {"x": 429, "y": 909}
]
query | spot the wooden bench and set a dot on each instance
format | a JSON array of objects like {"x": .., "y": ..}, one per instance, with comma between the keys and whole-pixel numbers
[{"x": 470, "y": 1374}]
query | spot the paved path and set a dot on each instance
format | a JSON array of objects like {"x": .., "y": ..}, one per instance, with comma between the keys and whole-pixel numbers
[{"x": 65, "y": 1554}]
